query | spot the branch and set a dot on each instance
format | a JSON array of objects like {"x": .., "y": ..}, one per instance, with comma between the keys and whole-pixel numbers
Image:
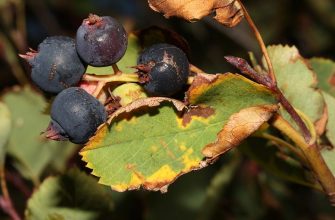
[
  {"x": 260, "y": 42},
  {"x": 247, "y": 70},
  {"x": 313, "y": 156},
  {"x": 5, "y": 200}
]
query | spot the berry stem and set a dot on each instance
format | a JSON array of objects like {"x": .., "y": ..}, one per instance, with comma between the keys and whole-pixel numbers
[
  {"x": 98, "y": 89},
  {"x": 121, "y": 77},
  {"x": 195, "y": 69},
  {"x": 116, "y": 69}
]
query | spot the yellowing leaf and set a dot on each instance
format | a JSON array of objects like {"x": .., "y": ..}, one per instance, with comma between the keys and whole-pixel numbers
[
  {"x": 152, "y": 145},
  {"x": 239, "y": 126},
  {"x": 228, "y": 12}
]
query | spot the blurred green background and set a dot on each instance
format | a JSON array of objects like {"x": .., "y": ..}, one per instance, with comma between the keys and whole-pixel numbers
[{"x": 234, "y": 187}]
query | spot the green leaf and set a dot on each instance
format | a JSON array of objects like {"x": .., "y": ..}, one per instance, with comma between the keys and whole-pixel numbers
[
  {"x": 5, "y": 127},
  {"x": 32, "y": 151},
  {"x": 152, "y": 146},
  {"x": 325, "y": 70},
  {"x": 298, "y": 83},
  {"x": 127, "y": 61},
  {"x": 73, "y": 195}
]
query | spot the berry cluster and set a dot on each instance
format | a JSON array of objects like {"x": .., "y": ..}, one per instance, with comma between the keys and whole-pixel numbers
[{"x": 60, "y": 63}]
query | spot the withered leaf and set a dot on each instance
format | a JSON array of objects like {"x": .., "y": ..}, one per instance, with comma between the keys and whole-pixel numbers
[
  {"x": 227, "y": 12},
  {"x": 151, "y": 144},
  {"x": 239, "y": 126}
]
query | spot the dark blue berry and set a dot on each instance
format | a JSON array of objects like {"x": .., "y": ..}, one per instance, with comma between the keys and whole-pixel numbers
[
  {"x": 101, "y": 41},
  {"x": 75, "y": 115},
  {"x": 56, "y": 65},
  {"x": 164, "y": 68}
]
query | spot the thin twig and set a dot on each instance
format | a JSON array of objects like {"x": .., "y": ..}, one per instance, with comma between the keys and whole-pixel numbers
[
  {"x": 312, "y": 153},
  {"x": 283, "y": 143},
  {"x": 16, "y": 180},
  {"x": 99, "y": 88},
  {"x": 260, "y": 42},
  {"x": 263, "y": 79},
  {"x": 295, "y": 116},
  {"x": 247, "y": 70},
  {"x": 5, "y": 201}
]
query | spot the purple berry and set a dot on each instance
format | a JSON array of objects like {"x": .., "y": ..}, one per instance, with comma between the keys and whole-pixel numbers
[
  {"x": 75, "y": 115},
  {"x": 56, "y": 65},
  {"x": 101, "y": 41},
  {"x": 164, "y": 69}
]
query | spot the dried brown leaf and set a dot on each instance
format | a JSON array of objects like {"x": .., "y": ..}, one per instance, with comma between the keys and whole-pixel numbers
[
  {"x": 228, "y": 12},
  {"x": 239, "y": 126}
]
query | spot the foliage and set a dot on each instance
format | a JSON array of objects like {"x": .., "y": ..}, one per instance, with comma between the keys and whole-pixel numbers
[{"x": 259, "y": 139}]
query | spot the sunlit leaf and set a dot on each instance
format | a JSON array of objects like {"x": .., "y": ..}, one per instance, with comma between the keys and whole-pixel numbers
[
  {"x": 73, "y": 195},
  {"x": 32, "y": 151},
  {"x": 127, "y": 61},
  {"x": 5, "y": 128},
  {"x": 152, "y": 146},
  {"x": 298, "y": 83}
]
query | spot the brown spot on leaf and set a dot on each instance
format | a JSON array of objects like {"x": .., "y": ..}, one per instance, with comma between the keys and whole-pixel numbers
[
  {"x": 239, "y": 126},
  {"x": 201, "y": 112},
  {"x": 130, "y": 166},
  {"x": 228, "y": 12}
]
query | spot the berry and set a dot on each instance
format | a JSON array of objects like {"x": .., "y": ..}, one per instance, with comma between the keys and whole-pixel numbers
[
  {"x": 101, "y": 41},
  {"x": 56, "y": 65},
  {"x": 75, "y": 115},
  {"x": 164, "y": 69}
]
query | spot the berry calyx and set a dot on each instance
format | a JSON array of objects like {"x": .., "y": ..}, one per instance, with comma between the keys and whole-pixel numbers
[
  {"x": 75, "y": 115},
  {"x": 101, "y": 41},
  {"x": 56, "y": 65},
  {"x": 164, "y": 69}
]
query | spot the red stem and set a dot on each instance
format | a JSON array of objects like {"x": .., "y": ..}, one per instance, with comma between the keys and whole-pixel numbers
[{"x": 295, "y": 116}]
